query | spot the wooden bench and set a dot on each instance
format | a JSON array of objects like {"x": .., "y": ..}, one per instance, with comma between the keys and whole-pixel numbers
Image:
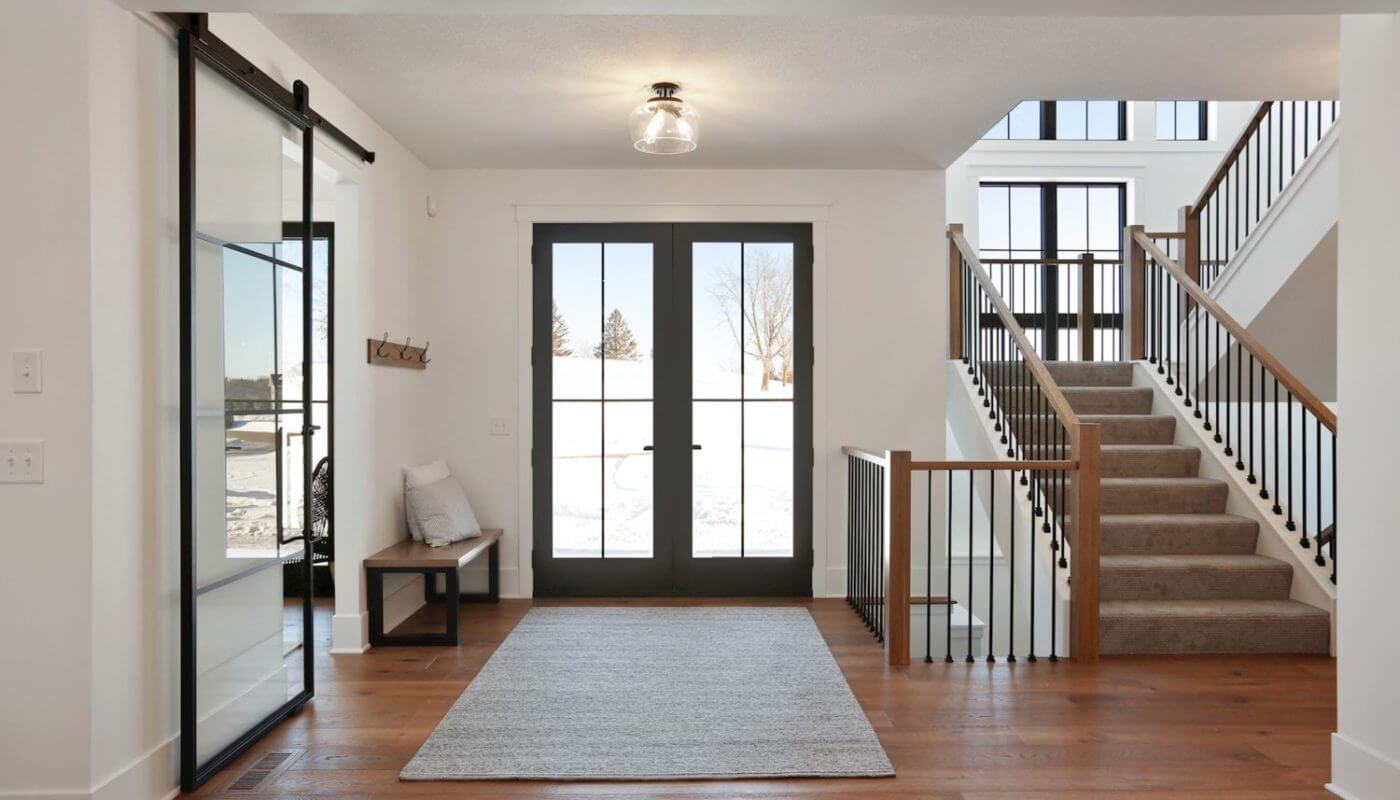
[{"x": 419, "y": 558}]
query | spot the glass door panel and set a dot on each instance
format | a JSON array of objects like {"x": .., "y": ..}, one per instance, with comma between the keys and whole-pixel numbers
[{"x": 246, "y": 334}]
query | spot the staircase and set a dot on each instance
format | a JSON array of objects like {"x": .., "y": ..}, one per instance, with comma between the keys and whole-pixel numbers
[{"x": 1177, "y": 573}]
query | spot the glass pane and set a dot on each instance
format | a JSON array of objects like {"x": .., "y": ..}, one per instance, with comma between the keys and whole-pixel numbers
[
  {"x": 1166, "y": 120},
  {"x": 1103, "y": 119},
  {"x": 716, "y": 483},
  {"x": 768, "y": 471},
  {"x": 288, "y": 376},
  {"x": 1024, "y": 120},
  {"x": 1071, "y": 223},
  {"x": 627, "y": 344},
  {"x": 578, "y": 320},
  {"x": 628, "y": 472},
  {"x": 1025, "y": 221},
  {"x": 1188, "y": 120},
  {"x": 994, "y": 218},
  {"x": 999, "y": 130},
  {"x": 1070, "y": 119},
  {"x": 247, "y": 663},
  {"x": 768, "y": 320},
  {"x": 577, "y": 480},
  {"x": 716, "y": 326},
  {"x": 1105, "y": 219}
]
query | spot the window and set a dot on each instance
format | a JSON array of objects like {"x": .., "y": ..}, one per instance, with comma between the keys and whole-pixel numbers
[
  {"x": 1032, "y": 221},
  {"x": 1064, "y": 120},
  {"x": 1181, "y": 121}
]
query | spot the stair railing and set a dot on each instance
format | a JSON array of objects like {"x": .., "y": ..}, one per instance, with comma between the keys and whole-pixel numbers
[
  {"x": 1049, "y": 494},
  {"x": 1260, "y": 413},
  {"x": 1265, "y": 157}
]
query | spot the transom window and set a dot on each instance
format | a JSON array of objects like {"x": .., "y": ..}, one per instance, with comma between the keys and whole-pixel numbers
[
  {"x": 1181, "y": 121},
  {"x": 1064, "y": 120}
]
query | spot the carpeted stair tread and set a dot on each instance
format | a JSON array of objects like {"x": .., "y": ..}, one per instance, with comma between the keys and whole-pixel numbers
[
  {"x": 1180, "y": 534},
  {"x": 1083, "y": 399},
  {"x": 1091, "y": 373},
  {"x": 1194, "y": 577},
  {"x": 1213, "y": 626},
  {"x": 1163, "y": 495},
  {"x": 1113, "y": 428}
]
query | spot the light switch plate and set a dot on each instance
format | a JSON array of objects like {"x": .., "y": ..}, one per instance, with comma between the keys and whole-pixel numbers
[
  {"x": 22, "y": 461},
  {"x": 28, "y": 372},
  {"x": 500, "y": 426}
]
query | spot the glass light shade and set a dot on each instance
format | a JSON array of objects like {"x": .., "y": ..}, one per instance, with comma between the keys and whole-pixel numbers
[{"x": 664, "y": 126}]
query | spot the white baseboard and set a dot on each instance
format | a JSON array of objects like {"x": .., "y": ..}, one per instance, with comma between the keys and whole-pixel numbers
[
  {"x": 349, "y": 634},
  {"x": 1361, "y": 773},
  {"x": 152, "y": 775}
]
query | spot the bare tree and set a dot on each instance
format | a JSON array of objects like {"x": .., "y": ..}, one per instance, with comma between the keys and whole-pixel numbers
[{"x": 759, "y": 312}]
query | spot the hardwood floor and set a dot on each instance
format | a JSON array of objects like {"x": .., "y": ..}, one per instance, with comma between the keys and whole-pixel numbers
[{"x": 1154, "y": 727}]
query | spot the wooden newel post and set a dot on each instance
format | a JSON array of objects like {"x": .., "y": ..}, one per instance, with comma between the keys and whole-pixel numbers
[
  {"x": 1191, "y": 248},
  {"x": 898, "y": 521},
  {"x": 955, "y": 292},
  {"x": 1086, "y": 307},
  {"x": 1134, "y": 280},
  {"x": 1085, "y": 507}
]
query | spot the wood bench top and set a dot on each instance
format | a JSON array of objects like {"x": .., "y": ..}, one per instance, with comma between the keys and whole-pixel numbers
[{"x": 419, "y": 554}]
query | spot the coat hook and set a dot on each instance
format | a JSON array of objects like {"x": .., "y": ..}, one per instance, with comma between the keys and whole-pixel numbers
[
  {"x": 379, "y": 351},
  {"x": 423, "y": 354},
  {"x": 403, "y": 354}
]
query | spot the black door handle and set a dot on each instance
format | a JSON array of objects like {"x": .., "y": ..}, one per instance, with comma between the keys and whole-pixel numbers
[{"x": 648, "y": 448}]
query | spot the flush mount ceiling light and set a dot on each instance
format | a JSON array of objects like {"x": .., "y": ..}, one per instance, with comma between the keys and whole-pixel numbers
[{"x": 665, "y": 124}]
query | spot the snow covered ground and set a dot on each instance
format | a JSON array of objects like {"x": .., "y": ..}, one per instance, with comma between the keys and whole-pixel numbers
[{"x": 603, "y": 479}]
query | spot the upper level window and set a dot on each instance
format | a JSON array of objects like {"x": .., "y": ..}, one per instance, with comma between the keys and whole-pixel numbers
[
  {"x": 1064, "y": 120},
  {"x": 1181, "y": 121}
]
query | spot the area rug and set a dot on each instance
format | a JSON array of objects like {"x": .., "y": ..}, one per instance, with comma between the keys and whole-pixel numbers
[{"x": 652, "y": 694}]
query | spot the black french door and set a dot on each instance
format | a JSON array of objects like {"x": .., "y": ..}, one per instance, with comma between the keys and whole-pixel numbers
[{"x": 672, "y": 409}]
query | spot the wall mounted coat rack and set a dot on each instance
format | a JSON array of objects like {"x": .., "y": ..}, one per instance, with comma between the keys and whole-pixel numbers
[{"x": 392, "y": 354}]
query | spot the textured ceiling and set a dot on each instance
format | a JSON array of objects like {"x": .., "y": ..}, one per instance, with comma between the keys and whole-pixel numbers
[{"x": 833, "y": 91}]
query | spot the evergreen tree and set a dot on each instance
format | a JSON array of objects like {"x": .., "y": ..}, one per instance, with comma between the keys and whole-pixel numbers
[
  {"x": 618, "y": 342},
  {"x": 561, "y": 334}
]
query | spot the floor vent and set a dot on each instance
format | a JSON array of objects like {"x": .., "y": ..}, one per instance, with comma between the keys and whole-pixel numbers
[{"x": 263, "y": 771}]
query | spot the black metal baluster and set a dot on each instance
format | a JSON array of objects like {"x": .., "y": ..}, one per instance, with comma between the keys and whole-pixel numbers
[
  {"x": 1303, "y": 462},
  {"x": 991, "y": 565},
  {"x": 948, "y": 618},
  {"x": 1290, "y": 525},
  {"x": 1030, "y": 540},
  {"x": 928, "y": 573},
  {"x": 1054, "y": 606},
  {"x": 1239, "y": 408},
  {"x": 1317, "y": 525},
  {"x": 971, "y": 490},
  {"x": 850, "y": 524},
  {"x": 1332, "y": 546},
  {"x": 1011, "y": 601},
  {"x": 1251, "y": 477},
  {"x": 879, "y": 562}
]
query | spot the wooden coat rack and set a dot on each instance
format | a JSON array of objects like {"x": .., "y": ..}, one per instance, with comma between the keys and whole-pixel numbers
[{"x": 385, "y": 353}]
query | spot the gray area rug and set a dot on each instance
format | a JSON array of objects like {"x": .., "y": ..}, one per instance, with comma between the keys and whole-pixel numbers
[{"x": 655, "y": 693}]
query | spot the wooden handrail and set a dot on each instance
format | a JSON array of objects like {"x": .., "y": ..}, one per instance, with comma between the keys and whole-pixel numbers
[
  {"x": 1037, "y": 261},
  {"x": 1261, "y": 353},
  {"x": 1053, "y": 395},
  {"x": 1241, "y": 142},
  {"x": 994, "y": 466}
]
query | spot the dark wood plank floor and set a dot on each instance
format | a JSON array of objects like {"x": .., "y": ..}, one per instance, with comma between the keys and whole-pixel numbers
[{"x": 1158, "y": 727}]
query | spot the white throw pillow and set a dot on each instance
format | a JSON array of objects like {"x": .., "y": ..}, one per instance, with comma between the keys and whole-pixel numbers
[
  {"x": 442, "y": 512},
  {"x": 413, "y": 477}
]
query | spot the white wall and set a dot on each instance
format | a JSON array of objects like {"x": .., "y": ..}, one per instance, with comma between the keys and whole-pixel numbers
[
  {"x": 1161, "y": 176},
  {"x": 88, "y": 704},
  {"x": 1366, "y": 747},
  {"x": 879, "y": 274},
  {"x": 45, "y": 574}
]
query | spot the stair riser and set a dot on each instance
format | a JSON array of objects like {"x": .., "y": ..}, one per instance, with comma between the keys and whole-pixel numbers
[
  {"x": 1212, "y": 635},
  {"x": 1196, "y": 584},
  {"x": 1127, "y": 430},
  {"x": 1162, "y": 464},
  {"x": 1081, "y": 373},
  {"x": 1222, "y": 540},
  {"x": 1164, "y": 499},
  {"x": 1107, "y": 400}
]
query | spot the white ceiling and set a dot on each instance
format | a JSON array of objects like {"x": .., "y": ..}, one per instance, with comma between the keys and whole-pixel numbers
[{"x": 889, "y": 91}]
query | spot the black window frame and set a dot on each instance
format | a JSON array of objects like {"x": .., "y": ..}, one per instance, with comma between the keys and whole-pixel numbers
[
  {"x": 1059, "y": 320},
  {"x": 1048, "y": 124},
  {"x": 1203, "y": 122}
]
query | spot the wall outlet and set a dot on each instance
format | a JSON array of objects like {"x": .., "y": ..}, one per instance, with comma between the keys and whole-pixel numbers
[
  {"x": 500, "y": 426},
  {"x": 22, "y": 462},
  {"x": 28, "y": 372}
]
